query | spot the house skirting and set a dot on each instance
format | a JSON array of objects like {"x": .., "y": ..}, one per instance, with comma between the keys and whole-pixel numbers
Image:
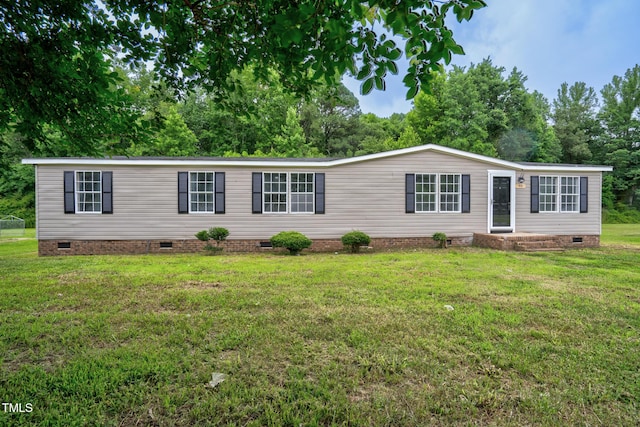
[{"x": 156, "y": 246}]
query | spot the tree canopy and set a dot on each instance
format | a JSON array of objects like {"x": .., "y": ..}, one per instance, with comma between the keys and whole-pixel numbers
[{"x": 56, "y": 55}]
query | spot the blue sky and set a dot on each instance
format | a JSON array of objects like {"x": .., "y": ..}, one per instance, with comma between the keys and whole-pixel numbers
[{"x": 550, "y": 41}]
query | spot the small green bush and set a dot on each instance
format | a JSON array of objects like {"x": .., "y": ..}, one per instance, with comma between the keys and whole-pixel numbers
[
  {"x": 354, "y": 239},
  {"x": 292, "y": 240},
  {"x": 219, "y": 234},
  {"x": 440, "y": 238},
  {"x": 203, "y": 235}
]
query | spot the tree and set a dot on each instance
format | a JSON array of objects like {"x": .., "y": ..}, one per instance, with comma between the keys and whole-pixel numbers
[
  {"x": 291, "y": 141},
  {"x": 173, "y": 139},
  {"x": 55, "y": 56},
  {"x": 574, "y": 118},
  {"x": 620, "y": 116}
]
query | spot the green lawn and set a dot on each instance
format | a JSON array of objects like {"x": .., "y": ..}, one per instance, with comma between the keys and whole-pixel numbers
[{"x": 324, "y": 339}]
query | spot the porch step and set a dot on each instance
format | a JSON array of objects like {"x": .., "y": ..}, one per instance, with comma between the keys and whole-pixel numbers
[{"x": 546, "y": 245}]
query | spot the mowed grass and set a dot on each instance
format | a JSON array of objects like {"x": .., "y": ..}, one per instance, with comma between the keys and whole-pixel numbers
[{"x": 324, "y": 339}]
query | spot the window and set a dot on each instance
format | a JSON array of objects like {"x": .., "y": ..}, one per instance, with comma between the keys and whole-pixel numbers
[
  {"x": 569, "y": 193},
  {"x": 450, "y": 193},
  {"x": 548, "y": 193},
  {"x": 302, "y": 193},
  {"x": 89, "y": 191},
  {"x": 426, "y": 192},
  {"x": 287, "y": 192},
  {"x": 559, "y": 194},
  {"x": 437, "y": 193},
  {"x": 275, "y": 192},
  {"x": 201, "y": 191}
]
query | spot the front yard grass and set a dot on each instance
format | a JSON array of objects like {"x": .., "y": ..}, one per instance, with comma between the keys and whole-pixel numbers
[{"x": 323, "y": 339}]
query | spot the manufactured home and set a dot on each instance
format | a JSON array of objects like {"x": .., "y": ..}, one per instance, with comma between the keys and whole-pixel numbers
[{"x": 400, "y": 198}]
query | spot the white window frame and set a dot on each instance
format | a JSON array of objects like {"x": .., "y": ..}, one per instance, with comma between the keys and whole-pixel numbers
[
  {"x": 560, "y": 195},
  {"x": 420, "y": 195},
  {"x": 81, "y": 206},
  {"x": 564, "y": 195},
  {"x": 304, "y": 194},
  {"x": 440, "y": 195},
  {"x": 288, "y": 194},
  {"x": 548, "y": 201},
  {"x": 197, "y": 192},
  {"x": 271, "y": 193}
]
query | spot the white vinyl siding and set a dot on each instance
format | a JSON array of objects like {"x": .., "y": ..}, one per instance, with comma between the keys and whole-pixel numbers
[
  {"x": 367, "y": 196},
  {"x": 201, "y": 192},
  {"x": 89, "y": 192}
]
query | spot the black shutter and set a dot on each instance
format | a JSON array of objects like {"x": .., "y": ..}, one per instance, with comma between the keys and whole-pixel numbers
[
  {"x": 183, "y": 192},
  {"x": 256, "y": 193},
  {"x": 466, "y": 193},
  {"x": 69, "y": 192},
  {"x": 107, "y": 195},
  {"x": 535, "y": 195},
  {"x": 584, "y": 191},
  {"x": 219, "y": 195},
  {"x": 410, "y": 193},
  {"x": 319, "y": 193}
]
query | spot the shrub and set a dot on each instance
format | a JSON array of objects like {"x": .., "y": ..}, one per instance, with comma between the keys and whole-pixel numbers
[
  {"x": 219, "y": 234},
  {"x": 292, "y": 240},
  {"x": 354, "y": 239},
  {"x": 440, "y": 238}
]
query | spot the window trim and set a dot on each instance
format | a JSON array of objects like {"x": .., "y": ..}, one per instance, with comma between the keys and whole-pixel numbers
[
  {"x": 213, "y": 193},
  {"x": 286, "y": 193},
  {"x": 77, "y": 192},
  {"x": 438, "y": 193},
  {"x": 312, "y": 193}
]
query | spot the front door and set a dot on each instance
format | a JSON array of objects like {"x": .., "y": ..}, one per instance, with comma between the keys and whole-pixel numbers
[{"x": 501, "y": 212}]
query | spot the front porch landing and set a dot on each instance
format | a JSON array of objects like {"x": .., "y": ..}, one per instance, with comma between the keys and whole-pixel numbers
[{"x": 533, "y": 242}]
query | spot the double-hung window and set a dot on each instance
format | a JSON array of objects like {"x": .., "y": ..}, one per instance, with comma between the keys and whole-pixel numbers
[
  {"x": 569, "y": 193},
  {"x": 201, "y": 192},
  {"x": 89, "y": 191},
  {"x": 288, "y": 192},
  {"x": 559, "y": 194},
  {"x": 437, "y": 192},
  {"x": 302, "y": 192},
  {"x": 275, "y": 192},
  {"x": 548, "y": 194}
]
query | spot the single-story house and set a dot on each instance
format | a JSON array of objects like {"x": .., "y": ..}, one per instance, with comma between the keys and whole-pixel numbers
[{"x": 400, "y": 198}]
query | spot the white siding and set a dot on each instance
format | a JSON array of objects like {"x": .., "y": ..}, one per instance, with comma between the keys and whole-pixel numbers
[
  {"x": 560, "y": 222},
  {"x": 367, "y": 196}
]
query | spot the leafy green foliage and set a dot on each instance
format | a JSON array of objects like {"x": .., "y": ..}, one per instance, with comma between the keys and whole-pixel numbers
[
  {"x": 441, "y": 238},
  {"x": 620, "y": 147},
  {"x": 294, "y": 241},
  {"x": 56, "y": 56},
  {"x": 202, "y": 235},
  {"x": 353, "y": 240},
  {"x": 219, "y": 234}
]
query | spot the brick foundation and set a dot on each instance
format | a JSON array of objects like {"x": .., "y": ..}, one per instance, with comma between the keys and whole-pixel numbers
[
  {"x": 493, "y": 241},
  {"x": 118, "y": 247}
]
